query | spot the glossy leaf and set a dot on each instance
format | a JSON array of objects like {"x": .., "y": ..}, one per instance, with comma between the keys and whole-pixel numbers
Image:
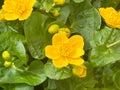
[
  {"x": 85, "y": 19},
  {"x": 13, "y": 43},
  {"x": 35, "y": 34},
  {"x": 18, "y": 87},
  {"x": 104, "y": 50},
  {"x": 57, "y": 73},
  {"x": 34, "y": 75}
]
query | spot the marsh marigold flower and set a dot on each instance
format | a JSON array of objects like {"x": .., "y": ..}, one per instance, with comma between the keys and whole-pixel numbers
[
  {"x": 64, "y": 50},
  {"x": 111, "y": 16},
  {"x": 17, "y": 9}
]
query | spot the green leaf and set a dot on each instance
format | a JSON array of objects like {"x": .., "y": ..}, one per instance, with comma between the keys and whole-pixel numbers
[
  {"x": 85, "y": 19},
  {"x": 107, "y": 75},
  {"x": 3, "y": 27},
  {"x": 116, "y": 79},
  {"x": 64, "y": 13},
  {"x": 36, "y": 35},
  {"x": 18, "y": 87},
  {"x": 46, "y": 5},
  {"x": 34, "y": 75},
  {"x": 78, "y": 1},
  {"x": 13, "y": 43},
  {"x": 74, "y": 83},
  {"x": 57, "y": 73},
  {"x": 16, "y": 26},
  {"x": 105, "y": 50}
]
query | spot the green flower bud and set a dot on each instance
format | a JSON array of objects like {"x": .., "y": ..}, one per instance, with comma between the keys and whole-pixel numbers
[
  {"x": 7, "y": 64},
  {"x": 53, "y": 29},
  {"x": 55, "y": 13},
  {"x": 6, "y": 55},
  {"x": 64, "y": 30}
]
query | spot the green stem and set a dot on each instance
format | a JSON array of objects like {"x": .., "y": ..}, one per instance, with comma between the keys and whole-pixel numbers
[
  {"x": 20, "y": 70},
  {"x": 113, "y": 44}
]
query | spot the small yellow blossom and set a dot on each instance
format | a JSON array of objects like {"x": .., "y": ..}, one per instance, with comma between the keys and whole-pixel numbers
[
  {"x": 59, "y": 2},
  {"x": 53, "y": 29},
  {"x": 111, "y": 16},
  {"x": 80, "y": 71},
  {"x": 64, "y": 50},
  {"x": 7, "y": 64},
  {"x": 17, "y": 9},
  {"x": 55, "y": 13},
  {"x": 6, "y": 55}
]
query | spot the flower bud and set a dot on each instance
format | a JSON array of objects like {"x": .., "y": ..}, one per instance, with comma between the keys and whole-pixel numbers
[
  {"x": 6, "y": 55},
  {"x": 79, "y": 71},
  {"x": 59, "y": 2},
  {"x": 53, "y": 29},
  {"x": 55, "y": 13},
  {"x": 64, "y": 30},
  {"x": 7, "y": 64}
]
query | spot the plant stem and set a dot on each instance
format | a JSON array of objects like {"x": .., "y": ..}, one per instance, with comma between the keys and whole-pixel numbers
[
  {"x": 20, "y": 70},
  {"x": 113, "y": 44}
]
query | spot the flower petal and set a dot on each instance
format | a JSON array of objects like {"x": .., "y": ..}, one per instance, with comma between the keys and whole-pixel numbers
[
  {"x": 10, "y": 16},
  {"x": 77, "y": 53},
  {"x": 52, "y": 52},
  {"x": 76, "y": 41},
  {"x": 31, "y": 3},
  {"x": 59, "y": 39},
  {"x": 77, "y": 61},
  {"x": 107, "y": 12},
  {"x": 26, "y": 14},
  {"x": 117, "y": 21},
  {"x": 61, "y": 62}
]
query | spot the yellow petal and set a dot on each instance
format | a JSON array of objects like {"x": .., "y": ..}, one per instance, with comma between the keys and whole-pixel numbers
[
  {"x": 52, "y": 52},
  {"x": 107, "y": 12},
  {"x": 31, "y": 3},
  {"x": 80, "y": 71},
  {"x": 26, "y": 14},
  {"x": 10, "y": 16},
  {"x": 9, "y": 5},
  {"x": 77, "y": 52},
  {"x": 61, "y": 62},
  {"x": 1, "y": 15},
  {"x": 117, "y": 21},
  {"x": 77, "y": 61},
  {"x": 109, "y": 15},
  {"x": 59, "y": 38},
  {"x": 76, "y": 41}
]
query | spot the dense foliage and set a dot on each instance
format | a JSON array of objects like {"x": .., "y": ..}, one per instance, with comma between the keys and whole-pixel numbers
[{"x": 23, "y": 62}]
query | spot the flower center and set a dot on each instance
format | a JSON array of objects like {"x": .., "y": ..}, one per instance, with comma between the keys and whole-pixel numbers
[{"x": 65, "y": 50}]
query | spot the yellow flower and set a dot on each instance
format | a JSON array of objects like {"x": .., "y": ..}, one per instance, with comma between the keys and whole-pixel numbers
[
  {"x": 64, "y": 51},
  {"x": 80, "y": 71},
  {"x": 17, "y": 9},
  {"x": 6, "y": 55},
  {"x": 59, "y": 2},
  {"x": 111, "y": 16}
]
